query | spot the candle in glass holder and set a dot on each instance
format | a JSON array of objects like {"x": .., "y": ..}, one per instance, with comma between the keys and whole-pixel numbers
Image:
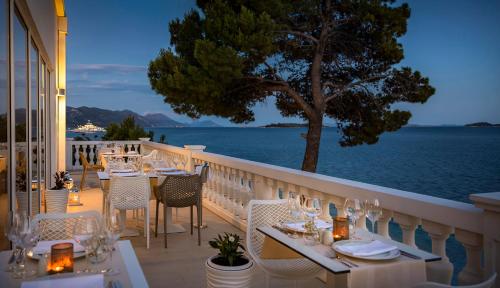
[
  {"x": 61, "y": 258},
  {"x": 340, "y": 228}
]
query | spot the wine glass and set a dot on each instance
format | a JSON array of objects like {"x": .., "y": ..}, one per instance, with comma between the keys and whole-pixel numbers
[
  {"x": 373, "y": 212},
  {"x": 114, "y": 229},
  {"x": 312, "y": 209},
  {"x": 295, "y": 211},
  {"x": 11, "y": 233},
  {"x": 26, "y": 239},
  {"x": 353, "y": 209},
  {"x": 84, "y": 233}
]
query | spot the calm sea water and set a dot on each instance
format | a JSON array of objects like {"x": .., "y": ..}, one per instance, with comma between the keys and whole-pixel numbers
[{"x": 447, "y": 162}]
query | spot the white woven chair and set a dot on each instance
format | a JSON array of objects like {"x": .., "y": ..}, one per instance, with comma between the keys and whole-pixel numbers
[
  {"x": 131, "y": 193},
  {"x": 56, "y": 201},
  {"x": 267, "y": 213},
  {"x": 59, "y": 226},
  {"x": 486, "y": 284}
]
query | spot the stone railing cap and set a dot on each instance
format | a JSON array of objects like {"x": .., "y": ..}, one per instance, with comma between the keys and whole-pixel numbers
[
  {"x": 487, "y": 200},
  {"x": 195, "y": 147}
]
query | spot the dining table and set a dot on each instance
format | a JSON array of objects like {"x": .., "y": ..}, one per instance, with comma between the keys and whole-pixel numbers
[
  {"x": 124, "y": 259},
  {"x": 155, "y": 179},
  {"x": 344, "y": 271}
]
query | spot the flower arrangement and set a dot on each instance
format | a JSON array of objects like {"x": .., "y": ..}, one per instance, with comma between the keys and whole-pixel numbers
[{"x": 229, "y": 250}]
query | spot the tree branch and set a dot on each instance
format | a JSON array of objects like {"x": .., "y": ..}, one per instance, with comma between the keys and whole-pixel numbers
[
  {"x": 300, "y": 34},
  {"x": 350, "y": 85}
]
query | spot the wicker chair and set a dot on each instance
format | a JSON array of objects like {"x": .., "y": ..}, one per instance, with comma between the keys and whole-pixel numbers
[
  {"x": 490, "y": 282},
  {"x": 88, "y": 167},
  {"x": 179, "y": 191},
  {"x": 59, "y": 226},
  {"x": 131, "y": 193},
  {"x": 267, "y": 213},
  {"x": 56, "y": 201}
]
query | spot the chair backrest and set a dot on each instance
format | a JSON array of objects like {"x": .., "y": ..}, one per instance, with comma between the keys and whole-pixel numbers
[
  {"x": 85, "y": 163},
  {"x": 486, "y": 284},
  {"x": 58, "y": 226},
  {"x": 263, "y": 213},
  {"x": 180, "y": 190},
  {"x": 129, "y": 192}
]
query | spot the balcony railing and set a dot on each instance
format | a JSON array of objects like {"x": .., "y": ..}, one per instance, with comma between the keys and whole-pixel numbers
[
  {"x": 233, "y": 182},
  {"x": 90, "y": 150}
]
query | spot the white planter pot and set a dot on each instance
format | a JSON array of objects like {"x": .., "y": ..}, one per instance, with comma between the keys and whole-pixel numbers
[
  {"x": 56, "y": 200},
  {"x": 229, "y": 276}
]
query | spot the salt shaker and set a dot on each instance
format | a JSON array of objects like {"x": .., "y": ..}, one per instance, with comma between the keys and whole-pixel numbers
[
  {"x": 42, "y": 265},
  {"x": 327, "y": 237}
]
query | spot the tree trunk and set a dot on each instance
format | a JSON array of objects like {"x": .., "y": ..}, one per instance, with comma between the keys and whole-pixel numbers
[{"x": 312, "y": 145}]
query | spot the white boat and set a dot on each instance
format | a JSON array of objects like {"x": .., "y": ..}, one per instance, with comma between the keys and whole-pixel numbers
[{"x": 88, "y": 128}]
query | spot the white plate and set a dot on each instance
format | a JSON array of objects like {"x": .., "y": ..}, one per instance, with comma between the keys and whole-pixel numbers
[
  {"x": 379, "y": 257},
  {"x": 33, "y": 256},
  {"x": 165, "y": 169}
]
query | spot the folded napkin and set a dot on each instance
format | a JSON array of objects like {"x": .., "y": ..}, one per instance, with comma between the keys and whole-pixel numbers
[
  {"x": 299, "y": 226},
  {"x": 127, "y": 174},
  {"x": 165, "y": 169},
  {"x": 44, "y": 246},
  {"x": 121, "y": 170},
  {"x": 87, "y": 281},
  {"x": 374, "y": 247},
  {"x": 174, "y": 173}
]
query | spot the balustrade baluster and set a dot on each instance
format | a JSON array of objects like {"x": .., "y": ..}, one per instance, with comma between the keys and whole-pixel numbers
[
  {"x": 94, "y": 150},
  {"x": 383, "y": 223},
  {"x": 73, "y": 154},
  {"x": 472, "y": 273},
  {"x": 87, "y": 150},
  {"x": 408, "y": 225},
  {"x": 80, "y": 150},
  {"x": 439, "y": 271}
]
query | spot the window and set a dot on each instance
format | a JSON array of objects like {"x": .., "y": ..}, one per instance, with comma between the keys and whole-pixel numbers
[
  {"x": 4, "y": 103},
  {"x": 34, "y": 129},
  {"x": 20, "y": 58}
]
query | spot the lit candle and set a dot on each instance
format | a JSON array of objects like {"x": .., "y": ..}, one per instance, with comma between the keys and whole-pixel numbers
[
  {"x": 337, "y": 238},
  {"x": 61, "y": 258}
]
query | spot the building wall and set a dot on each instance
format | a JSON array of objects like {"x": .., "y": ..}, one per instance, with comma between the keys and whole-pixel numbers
[{"x": 44, "y": 15}]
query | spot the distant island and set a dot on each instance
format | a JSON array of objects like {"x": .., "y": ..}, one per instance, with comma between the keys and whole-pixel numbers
[
  {"x": 482, "y": 124},
  {"x": 287, "y": 125},
  {"x": 76, "y": 116}
]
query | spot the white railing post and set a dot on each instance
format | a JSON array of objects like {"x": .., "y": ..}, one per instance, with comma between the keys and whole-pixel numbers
[
  {"x": 191, "y": 149},
  {"x": 472, "y": 273},
  {"x": 383, "y": 223},
  {"x": 490, "y": 203},
  {"x": 408, "y": 224},
  {"x": 440, "y": 271}
]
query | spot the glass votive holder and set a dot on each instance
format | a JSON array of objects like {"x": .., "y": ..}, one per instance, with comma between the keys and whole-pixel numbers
[
  {"x": 61, "y": 258},
  {"x": 340, "y": 229}
]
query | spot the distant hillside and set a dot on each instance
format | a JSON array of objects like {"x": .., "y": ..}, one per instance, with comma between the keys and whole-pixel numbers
[
  {"x": 104, "y": 117},
  {"x": 482, "y": 124},
  {"x": 204, "y": 124}
]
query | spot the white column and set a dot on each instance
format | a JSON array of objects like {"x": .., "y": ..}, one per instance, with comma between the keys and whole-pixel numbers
[
  {"x": 490, "y": 203},
  {"x": 191, "y": 149},
  {"x": 383, "y": 223}
]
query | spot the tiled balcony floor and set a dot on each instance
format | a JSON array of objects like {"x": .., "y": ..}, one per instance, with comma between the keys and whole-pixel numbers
[{"x": 182, "y": 263}]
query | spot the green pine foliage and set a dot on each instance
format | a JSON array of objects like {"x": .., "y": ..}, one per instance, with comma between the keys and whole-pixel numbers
[
  {"x": 336, "y": 59},
  {"x": 127, "y": 130}
]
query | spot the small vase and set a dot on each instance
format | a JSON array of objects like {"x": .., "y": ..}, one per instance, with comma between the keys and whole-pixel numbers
[{"x": 229, "y": 276}]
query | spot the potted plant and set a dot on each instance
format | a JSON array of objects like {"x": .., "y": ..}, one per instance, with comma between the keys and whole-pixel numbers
[
  {"x": 230, "y": 267},
  {"x": 56, "y": 198}
]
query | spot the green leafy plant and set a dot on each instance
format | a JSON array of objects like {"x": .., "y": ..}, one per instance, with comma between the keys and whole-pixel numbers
[
  {"x": 228, "y": 246},
  {"x": 59, "y": 177}
]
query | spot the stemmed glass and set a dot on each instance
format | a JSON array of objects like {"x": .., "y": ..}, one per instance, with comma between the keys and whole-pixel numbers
[
  {"x": 84, "y": 233},
  {"x": 114, "y": 229},
  {"x": 27, "y": 237},
  {"x": 353, "y": 209},
  {"x": 295, "y": 211},
  {"x": 312, "y": 209},
  {"x": 373, "y": 212},
  {"x": 11, "y": 233}
]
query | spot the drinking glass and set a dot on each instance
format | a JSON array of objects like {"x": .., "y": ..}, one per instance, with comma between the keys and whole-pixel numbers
[
  {"x": 26, "y": 239},
  {"x": 353, "y": 209},
  {"x": 373, "y": 212},
  {"x": 114, "y": 229},
  {"x": 85, "y": 233},
  {"x": 312, "y": 209},
  {"x": 295, "y": 211}
]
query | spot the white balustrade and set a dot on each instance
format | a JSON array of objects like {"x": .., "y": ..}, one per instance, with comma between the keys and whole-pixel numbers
[
  {"x": 233, "y": 182},
  {"x": 90, "y": 150}
]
